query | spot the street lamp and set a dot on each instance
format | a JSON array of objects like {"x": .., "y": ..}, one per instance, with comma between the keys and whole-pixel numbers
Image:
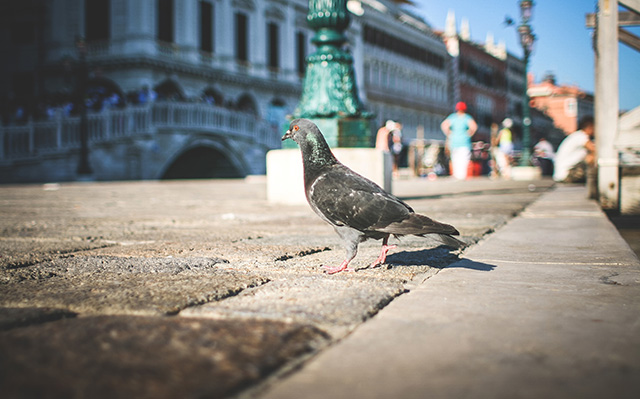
[
  {"x": 330, "y": 91},
  {"x": 84, "y": 169},
  {"x": 527, "y": 38}
]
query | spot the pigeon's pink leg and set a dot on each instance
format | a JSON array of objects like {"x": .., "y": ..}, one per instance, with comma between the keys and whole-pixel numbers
[
  {"x": 343, "y": 266},
  {"x": 383, "y": 253}
]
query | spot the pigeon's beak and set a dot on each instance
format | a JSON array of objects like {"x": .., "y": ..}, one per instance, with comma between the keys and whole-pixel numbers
[{"x": 287, "y": 135}]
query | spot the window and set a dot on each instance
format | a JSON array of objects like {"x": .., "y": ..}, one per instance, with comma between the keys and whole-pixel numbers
[
  {"x": 571, "y": 107},
  {"x": 23, "y": 84},
  {"x": 242, "y": 36},
  {"x": 206, "y": 26},
  {"x": 96, "y": 20},
  {"x": 273, "y": 44},
  {"x": 301, "y": 52},
  {"x": 23, "y": 32},
  {"x": 377, "y": 37},
  {"x": 165, "y": 21}
]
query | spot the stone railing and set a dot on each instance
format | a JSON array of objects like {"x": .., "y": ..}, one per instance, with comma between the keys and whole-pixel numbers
[{"x": 34, "y": 139}]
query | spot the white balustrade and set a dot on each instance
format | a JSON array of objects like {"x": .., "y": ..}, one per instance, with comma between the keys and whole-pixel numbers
[{"x": 63, "y": 133}]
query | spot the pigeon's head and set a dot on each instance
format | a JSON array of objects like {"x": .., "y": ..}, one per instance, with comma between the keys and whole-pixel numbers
[
  {"x": 315, "y": 150},
  {"x": 300, "y": 130}
]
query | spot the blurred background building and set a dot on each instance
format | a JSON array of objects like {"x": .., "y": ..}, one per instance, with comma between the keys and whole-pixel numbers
[
  {"x": 191, "y": 88},
  {"x": 405, "y": 68},
  {"x": 202, "y": 88},
  {"x": 565, "y": 104}
]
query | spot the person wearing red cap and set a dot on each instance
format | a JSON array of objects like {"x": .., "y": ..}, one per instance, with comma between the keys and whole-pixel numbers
[{"x": 459, "y": 127}]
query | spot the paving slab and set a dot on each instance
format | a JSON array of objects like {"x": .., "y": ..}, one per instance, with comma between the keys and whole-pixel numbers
[
  {"x": 336, "y": 305},
  {"x": 549, "y": 306},
  {"x": 114, "y": 285},
  {"x": 146, "y": 357},
  {"x": 21, "y": 317},
  {"x": 24, "y": 251}
]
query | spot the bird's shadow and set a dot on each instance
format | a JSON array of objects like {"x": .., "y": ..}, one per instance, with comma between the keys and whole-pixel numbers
[{"x": 439, "y": 257}]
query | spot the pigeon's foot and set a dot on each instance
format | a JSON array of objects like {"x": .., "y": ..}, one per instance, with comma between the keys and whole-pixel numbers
[
  {"x": 342, "y": 267},
  {"x": 383, "y": 255}
]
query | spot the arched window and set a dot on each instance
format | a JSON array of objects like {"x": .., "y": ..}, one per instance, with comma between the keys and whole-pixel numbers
[
  {"x": 97, "y": 20},
  {"x": 168, "y": 90},
  {"x": 212, "y": 96},
  {"x": 103, "y": 93},
  {"x": 247, "y": 104},
  {"x": 276, "y": 112}
]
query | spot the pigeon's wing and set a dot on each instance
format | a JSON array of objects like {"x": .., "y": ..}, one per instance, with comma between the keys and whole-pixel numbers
[{"x": 344, "y": 198}]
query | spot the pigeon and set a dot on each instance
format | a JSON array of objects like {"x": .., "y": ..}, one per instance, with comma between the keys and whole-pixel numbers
[{"x": 357, "y": 208}]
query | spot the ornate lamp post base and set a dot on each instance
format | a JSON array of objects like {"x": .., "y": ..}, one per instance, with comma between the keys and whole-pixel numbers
[
  {"x": 330, "y": 92},
  {"x": 330, "y": 99},
  {"x": 344, "y": 132}
]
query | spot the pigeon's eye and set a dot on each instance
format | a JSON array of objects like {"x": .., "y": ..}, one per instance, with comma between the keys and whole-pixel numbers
[{"x": 296, "y": 128}]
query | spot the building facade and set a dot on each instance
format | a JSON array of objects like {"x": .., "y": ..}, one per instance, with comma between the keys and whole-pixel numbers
[
  {"x": 405, "y": 69},
  {"x": 565, "y": 104},
  {"x": 244, "y": 54},
  {"x": 516, "y": 86},
  {"x": 244, "y": 59},
  {"x": 482, "y": 77}
]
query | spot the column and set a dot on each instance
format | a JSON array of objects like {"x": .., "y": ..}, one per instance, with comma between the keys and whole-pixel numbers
[
  {"x": 607, "y": 103},
  {"x": 139, "y": 33},
  {"x": 258, "y": 41},
  {"x": 223, "y": 32},
  {"x": 288, "y": 44},
  {"x": 186, "y": 31}
]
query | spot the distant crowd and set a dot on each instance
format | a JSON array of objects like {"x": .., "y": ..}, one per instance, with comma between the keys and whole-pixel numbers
[
  {"x": 98, "y": 99},
  {"x": 462, "y": 158}
]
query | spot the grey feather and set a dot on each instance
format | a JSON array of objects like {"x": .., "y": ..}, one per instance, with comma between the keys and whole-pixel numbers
[{"x": 355, "y": 206}]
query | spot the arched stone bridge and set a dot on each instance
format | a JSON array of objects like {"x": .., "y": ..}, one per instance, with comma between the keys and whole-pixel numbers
[{"x": 154, "y": 141}]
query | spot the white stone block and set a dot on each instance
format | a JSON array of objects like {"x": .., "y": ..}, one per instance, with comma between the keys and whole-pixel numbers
[
  {"x": 285, "y": 182},
  {"x": 525, "y": 173}
]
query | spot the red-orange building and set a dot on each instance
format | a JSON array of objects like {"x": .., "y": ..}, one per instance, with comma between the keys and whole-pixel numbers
[{"x": 565, "y": 104}]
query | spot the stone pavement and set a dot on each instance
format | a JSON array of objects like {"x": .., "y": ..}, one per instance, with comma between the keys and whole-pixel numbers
[
  {"x": 203, "y": 289},
  {"x": 548, "y": 307}
]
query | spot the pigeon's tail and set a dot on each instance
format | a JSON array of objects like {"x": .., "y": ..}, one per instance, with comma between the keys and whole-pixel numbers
[
  {"x": 450, "y": 241},
  {"x": 421, "y": 225},
  {"x": 418, "y": 225}
]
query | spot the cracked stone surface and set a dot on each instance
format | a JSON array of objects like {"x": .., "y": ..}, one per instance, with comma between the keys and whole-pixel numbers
[
  {"x": 241, "y": 274},
  {"x": 25, "y": 251},
  {"x": 336, "y": 305},
  {"x": 135, "y": 357},
  {"x": 113, "y": 285}
]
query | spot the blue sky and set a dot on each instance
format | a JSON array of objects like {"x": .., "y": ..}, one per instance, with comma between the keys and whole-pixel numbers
[{"x": 563, "y": 44}]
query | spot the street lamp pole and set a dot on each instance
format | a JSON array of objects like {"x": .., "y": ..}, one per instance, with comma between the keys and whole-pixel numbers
[
  {"x": 527, "y": 38},
  {"x": 84, "y": 169},
  {"x": 329, "y": 92}
]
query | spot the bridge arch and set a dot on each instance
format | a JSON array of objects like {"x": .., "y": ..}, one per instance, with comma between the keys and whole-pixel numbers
[{"x": 204, "y": 159}]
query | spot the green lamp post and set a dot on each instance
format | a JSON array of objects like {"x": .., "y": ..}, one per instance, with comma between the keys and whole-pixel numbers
[
  {"x": 330, "y": 92},
  {"x": 527, "y": 38}
]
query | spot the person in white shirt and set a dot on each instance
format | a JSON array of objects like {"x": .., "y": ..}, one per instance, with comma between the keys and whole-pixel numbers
[
  {"x": 575, "y": 152},
  {"x": 543, "y": 156}
]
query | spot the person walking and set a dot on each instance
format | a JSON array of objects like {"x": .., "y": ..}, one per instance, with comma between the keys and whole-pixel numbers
[
  {"x": 459, "y": 127},
  {"x": 396, "y": 147},
  {"x": 382, "y": 137},
  {"x": 504, "y": 153}
]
